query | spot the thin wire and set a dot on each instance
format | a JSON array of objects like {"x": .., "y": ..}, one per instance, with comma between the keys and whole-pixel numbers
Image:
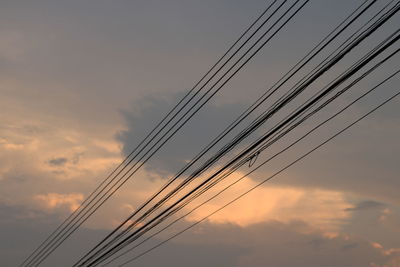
[
  {"x": 235, "y": 72},
  {"x": 291, "y": 16},
  {"x": 256, "y": 168},
  {"x": 152, "y": 131},
  {"x": 294, "y": 13},
  {"x": 264, "y": 181},
  {"x": 254, "y": 145},
  {"x": 246, "y": 61},
  {"x": 308, "y": 116},
  {"x": 174, "y": 115}
]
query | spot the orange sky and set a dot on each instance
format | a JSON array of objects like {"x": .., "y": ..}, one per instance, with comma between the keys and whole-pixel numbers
[{"x": 82, "y": 83}]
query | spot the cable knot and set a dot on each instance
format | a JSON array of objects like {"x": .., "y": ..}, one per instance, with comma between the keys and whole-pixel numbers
[{"x": 253, "y": 158}]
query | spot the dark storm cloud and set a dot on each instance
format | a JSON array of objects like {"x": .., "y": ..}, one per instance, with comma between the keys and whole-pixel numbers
[{"x": 195, "y": 135}]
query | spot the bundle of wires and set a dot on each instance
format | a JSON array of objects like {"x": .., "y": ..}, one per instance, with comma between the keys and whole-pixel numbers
[
  {"x": 138, "y": 227},
  {"x": 205, "y": 171},
  {"x": 271, "y": 21}
]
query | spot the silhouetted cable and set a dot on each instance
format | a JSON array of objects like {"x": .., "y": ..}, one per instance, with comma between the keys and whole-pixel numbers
[
  {"x": 262, "y": 139},
  {"x": 102, "y": 201},
  {"x": 191, "y": 90},
  {"x": 199, "y": 155},
  {"x": 247, "y": 60},
  {"x": 266, "y": 180},
  {"x": 321, "y": 106},
  {"x": 214, "y": 92},
  {"x": 152, "y": 131},
  {"x": 256, "y": 168},
  {"x": 274, "y": 34}
]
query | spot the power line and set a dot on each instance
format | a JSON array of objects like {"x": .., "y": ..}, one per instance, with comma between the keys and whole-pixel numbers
[
  {"x": 159, "y": 124},
  {"x": 367, "y": 33},
  {"x": 262, "y": 164},
  {"x": 63, "y": 235},
  {"x": 266, "y": 180}
]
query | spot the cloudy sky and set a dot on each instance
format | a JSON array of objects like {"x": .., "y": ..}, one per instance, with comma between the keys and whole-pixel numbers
[{"x": 81, "y": 82}]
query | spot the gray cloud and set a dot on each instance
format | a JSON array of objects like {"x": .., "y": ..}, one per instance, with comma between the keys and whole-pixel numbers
[
  {"x": 25, "y": 228},
  {"x": 261, "y": 245},
  {"x": 195, "y": 135},
  {"x": 207, "y": 245},
  {"x": 58, "y": 161},
  {"x": 357, "y": 157},
  {"x": 80, "y": 62},
  {"x": 367, "y": 205}
]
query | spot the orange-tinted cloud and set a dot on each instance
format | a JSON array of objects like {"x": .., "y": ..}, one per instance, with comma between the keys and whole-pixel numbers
[
  {"x": 53, "y": 201},
  {"x": 323, "y": 209}
]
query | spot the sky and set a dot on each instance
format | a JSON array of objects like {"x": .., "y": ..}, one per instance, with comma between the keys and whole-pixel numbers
[{"x": 82, "y": 82}]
